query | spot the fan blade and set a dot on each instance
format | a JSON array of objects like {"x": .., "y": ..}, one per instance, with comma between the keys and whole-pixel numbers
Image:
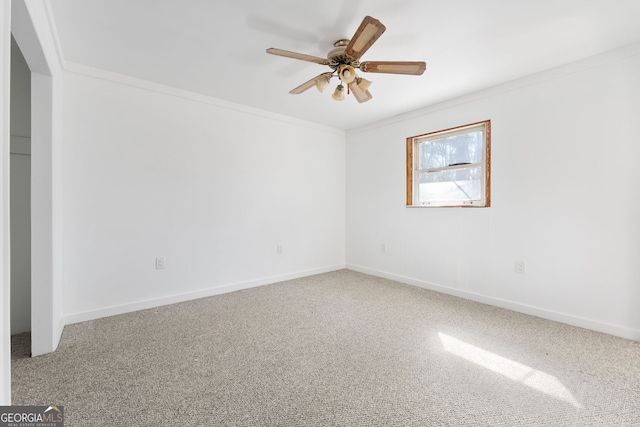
[
  {"x": 360, "y": 95},
  {"x": 367, "y": 33},
  {"x": 309, "y": 84},
  {"x": 394, "y": 67},
  {"x": 295, "y": 55}
]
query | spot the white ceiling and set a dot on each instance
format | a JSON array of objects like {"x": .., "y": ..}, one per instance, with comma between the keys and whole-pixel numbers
[{"x": 217, "y": 47}]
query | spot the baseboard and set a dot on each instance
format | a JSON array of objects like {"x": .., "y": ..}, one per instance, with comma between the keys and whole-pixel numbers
[
  {"x": 173, "y": 299},
  {"x": 568, "y": 319}
]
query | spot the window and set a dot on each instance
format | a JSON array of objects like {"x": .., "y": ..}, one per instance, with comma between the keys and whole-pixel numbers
[{"x": 450, "y": 167}]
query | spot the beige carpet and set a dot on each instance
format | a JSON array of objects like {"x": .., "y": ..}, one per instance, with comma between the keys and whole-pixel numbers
[{"x": 337, "y": 349}]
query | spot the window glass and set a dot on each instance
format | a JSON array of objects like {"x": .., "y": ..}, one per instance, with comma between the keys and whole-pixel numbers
[
  {"x": 450, "y": 167},
  {"x": 450, "y": 185},
  {"x": 453, "y": 150}
]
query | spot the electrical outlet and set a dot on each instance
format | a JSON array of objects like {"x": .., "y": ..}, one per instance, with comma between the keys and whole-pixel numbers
[
  {"x": 520, "y": 267},
  {"x": 279, "y": 249},
  {"x": 383, "y": 247},
  {"x": 160, "y": 263}
]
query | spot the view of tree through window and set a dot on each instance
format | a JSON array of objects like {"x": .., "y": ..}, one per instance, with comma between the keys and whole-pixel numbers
[
  {"x": 449, "y": 168},
  {"x": 451, "y": 150}
]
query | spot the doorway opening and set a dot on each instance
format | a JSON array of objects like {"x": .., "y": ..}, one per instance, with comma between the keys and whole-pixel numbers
[{"x": 20, "y": 201}]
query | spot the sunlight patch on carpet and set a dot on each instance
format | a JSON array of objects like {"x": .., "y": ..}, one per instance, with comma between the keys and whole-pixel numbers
[{"x": 515, "y": 371}]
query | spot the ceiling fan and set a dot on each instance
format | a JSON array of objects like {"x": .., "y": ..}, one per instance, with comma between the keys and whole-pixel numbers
[{"x": 344, "y": 58}]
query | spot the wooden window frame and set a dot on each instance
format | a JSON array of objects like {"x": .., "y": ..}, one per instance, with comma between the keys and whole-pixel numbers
[{"x": 411, "y": 167}]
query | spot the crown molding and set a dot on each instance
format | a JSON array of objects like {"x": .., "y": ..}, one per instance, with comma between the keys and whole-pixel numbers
[
  {"x": 529, "y": 80},
  {"x": 76, "y": 68}
]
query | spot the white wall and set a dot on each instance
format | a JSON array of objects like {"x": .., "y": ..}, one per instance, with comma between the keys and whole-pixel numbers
[
  {"x": 565, "y": 199},
  {"x": 21, "y": 93},
  {"x": 210, "y": 186},
  {"x": 20, "y": 234}
]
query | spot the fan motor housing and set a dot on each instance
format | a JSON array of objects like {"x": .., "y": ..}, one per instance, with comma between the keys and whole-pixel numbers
[{"x": 337, "y": 57}]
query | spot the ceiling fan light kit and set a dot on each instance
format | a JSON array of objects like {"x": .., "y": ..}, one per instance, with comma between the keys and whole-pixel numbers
[
  {"x": 322, "y": 81},
  {"x": 344, "y": 59},
  {"x": 346, "y": 73},
  {"x": 363, "y": 83}
]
